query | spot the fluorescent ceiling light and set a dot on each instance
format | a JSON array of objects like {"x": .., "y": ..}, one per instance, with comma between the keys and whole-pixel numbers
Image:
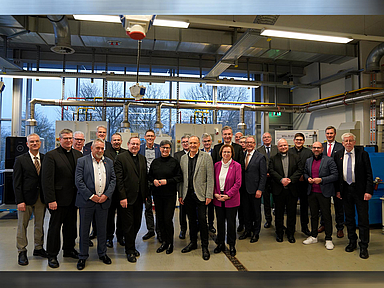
[
  {"x": 232, "y": 85},
  {"x": 100, "y": 18},
  {"x": 305, "y": 36},
  {"x": 170, "y": 23}
]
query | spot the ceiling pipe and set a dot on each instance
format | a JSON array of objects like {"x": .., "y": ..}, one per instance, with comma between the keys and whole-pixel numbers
[
  {"x": 373, "y": 59},
  {"x": 125, "y": 124},
  {"x": 242, "y": 126},
  {"x": 158, "y": 124},
  {"x": 62, "y": 34}
]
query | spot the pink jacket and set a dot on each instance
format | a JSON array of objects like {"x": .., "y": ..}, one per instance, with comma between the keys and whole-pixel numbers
[{"x": 232, "y": 184}]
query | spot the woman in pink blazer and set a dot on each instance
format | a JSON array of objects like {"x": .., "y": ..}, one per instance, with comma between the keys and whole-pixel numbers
[{"x": 226, "y": 198}]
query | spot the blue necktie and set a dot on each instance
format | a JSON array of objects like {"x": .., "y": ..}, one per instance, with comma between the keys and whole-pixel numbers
[{"x": 349, "y": 168}]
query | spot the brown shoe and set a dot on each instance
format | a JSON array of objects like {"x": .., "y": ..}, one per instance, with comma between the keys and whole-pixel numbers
[
  {"x": 340, "y": 233},
  {"x": 321, "y": 229}
]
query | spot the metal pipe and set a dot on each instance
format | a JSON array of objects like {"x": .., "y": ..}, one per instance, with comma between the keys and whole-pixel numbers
[
  {"x": 242, "y": 126},
  {"x": 374, "y": 57},
  {"x": 158, "y": 123},
  {"x": 62, "y": 34},
  {"x": 125, "y": 124}
]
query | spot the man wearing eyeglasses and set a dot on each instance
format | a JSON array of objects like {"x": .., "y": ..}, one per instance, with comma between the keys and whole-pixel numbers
[
  {"x": 132, "y": 185},
  {"x": 304, "y": 153},
  {"x": 151, "y": 151},
  {"x": 58, "y": 183},
  {"x": 78, "y": 141}
]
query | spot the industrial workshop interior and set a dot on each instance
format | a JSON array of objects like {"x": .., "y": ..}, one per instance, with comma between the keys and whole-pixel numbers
[{"x": 177, "y": 71}]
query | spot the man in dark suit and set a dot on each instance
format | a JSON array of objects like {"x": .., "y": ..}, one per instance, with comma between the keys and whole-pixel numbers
[
  {"x": 132, "y": 185},
  {"x": 254, "y": 180},
  {"x": 355, "y": 187},
  {"x": 285, "y": 169},
  {"x": 227, "y": 134},
  {"x": 304, "y": 153},
  {"x": 29, "y": 198},
  {"x": 268, "y": 150},
  {"x": 95, "y": 182},
  {"x": 321, "y": 174},
  {"x": 182, "y": 213},
  {"x": 58, "y": 182},
  {"x": 330, "y": 148},
  {"x": 116, "y": 141},
  {"x": 151, "y": 151}
]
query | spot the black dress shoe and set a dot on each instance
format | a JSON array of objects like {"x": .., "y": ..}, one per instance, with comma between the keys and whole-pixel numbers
[
  {"x": 92, "y": 235},
  {"x": 23, "y": 259},
  {"x": 41, "y": 252},
  {"x": 212, "y": 229},
  {"x": 267, "y": 224},
  {"x": 255, "y": 238},
  {"x": 90, "y": 244},
  {"x": 240, "y": 228},
  {"x": 53, "y": 263},
  {"x": 220, "y": 247},
  {"x": 182, "y": 234},
  {"x": 162, "y": 248},
  {"x": 206, "y": 254},
  {"x": 131, "y": 258},
  {"x": 81, "y": 264},
  {"x": 73, "y": 254},
  {"x": 109, "y": 243},
  {"x": 191, "y": 246},
  {"x": 291, "y": 239},
  {"x": 169, "y": 249},
  {"x": 159, "y": 238},
  {"x": 137, "y": 253},
  {"x": 279, "y": 238},
  {"x": 121, "y": 241},
  {"x": 364, "y": 253},
  {"x": 351, "y": 247},
  {"x": 245, "y": 235},
  {"x": 148, "y": 235},
  {"x": 232, "y": 250},
  {"x": 306, "y": 231},
  {"x": 106, "y": 259}
]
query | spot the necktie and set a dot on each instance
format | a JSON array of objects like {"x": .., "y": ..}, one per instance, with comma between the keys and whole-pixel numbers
[
  {"x": 329, "y": 150},
  {"x": 349, "y": 168},
  {"x": 268, "y": 152},
  {"x": 247, "y": 160},
  {"x": 37, "y": 165}
]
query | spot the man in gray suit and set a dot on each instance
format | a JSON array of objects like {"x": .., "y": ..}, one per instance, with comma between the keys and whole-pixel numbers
[
  {"x": 321, "y": 174},
  {"x": 268, "y": 150},
  {"x": 196, "y": 192},
  {"x": 95, "y": 181}
]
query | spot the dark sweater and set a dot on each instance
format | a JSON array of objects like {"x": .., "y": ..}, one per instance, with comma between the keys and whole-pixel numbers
[{"x": 165, "y": 168}]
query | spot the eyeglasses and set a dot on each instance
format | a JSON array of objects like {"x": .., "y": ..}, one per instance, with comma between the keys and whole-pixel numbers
[
  {"x": 317, "y": 148},
  {"x": 67, "y": 138},
  {"x": 299, "y": 139},
  {"x": 185, "y": 142},
  {"x": 79, "y": 139},
  {"x": 249, "y": 142},
  {"x": 205, "y": 141},
  {"x": 165, "y": 148}
]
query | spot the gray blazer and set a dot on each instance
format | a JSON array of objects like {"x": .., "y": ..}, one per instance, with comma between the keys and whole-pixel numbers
[
  {"x": 327, "y": 172},
  {"x": 203, "y": 181}
]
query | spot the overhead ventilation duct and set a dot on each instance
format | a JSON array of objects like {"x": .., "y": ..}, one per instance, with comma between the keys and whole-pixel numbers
[
  {"x": 125, "y": 124},
  {"x": 158, "y": 124},
  {"x": 62, "y": 34},
  {"x": 249, "y": 38},
  {"x": 373, "y": 60}
]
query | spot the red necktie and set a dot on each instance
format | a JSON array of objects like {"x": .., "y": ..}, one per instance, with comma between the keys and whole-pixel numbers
[{"x": 329, "y": 150}]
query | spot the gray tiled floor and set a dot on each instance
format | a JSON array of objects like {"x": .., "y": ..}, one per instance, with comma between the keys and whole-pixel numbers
[{"x": 265, "y": 255}]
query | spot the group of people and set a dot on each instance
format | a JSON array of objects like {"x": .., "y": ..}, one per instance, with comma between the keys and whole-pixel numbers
[{"x": 101, "y": 178}]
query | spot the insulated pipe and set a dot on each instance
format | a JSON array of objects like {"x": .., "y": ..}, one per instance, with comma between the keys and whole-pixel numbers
[
  {"x": 242, "y": 126},
  {"x": 62, "y": 34},
  {"x": 158, "y": 123},
  {"x": 373, "y": 59},
  {"x": 125, "y": 124}
]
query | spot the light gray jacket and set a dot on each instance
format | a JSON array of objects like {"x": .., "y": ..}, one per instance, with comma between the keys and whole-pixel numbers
[{"x": 203, "y": 180}]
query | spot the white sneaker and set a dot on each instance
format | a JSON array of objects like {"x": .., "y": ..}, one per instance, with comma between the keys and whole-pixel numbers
[
  {"x": 310, "y": 240},
  {"x": 329, "y": 245}
]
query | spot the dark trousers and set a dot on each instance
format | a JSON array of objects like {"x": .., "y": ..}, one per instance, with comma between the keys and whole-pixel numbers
[
  {"x": 352, "y": 199},
  {"x": 285, "y": 201},
  {"x": 65, "y": 216},
  {"x": 191, "y": 204},
  {"x": 339, "y": 213},
  {"x": 267, "y": 201},
  {"x": 86, "y": 216},
  {"x": 165, "y": 209},
  {"x": 115, "y": 204},
  {"x": 319, "y": 201},
  {"x": 252, "y": 213},
  {"x": 223, "y": 213},
  {"x": 182, "y": 218},
  {"x": 131, "y": 217},
  {"x": 149, "y": 218},
  {"x": 211, "y": 214},
  {"x": 304, "y": 219}
]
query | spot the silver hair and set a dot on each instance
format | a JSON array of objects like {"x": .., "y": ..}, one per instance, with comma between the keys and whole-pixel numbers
[
  {"x": 206, "y": 135},
  {"x": 348, "y": 134},
  {"x": 32, "y": 134},
  {"x": 97, "y": 140},
  {"x": 79, "y": 132}
]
